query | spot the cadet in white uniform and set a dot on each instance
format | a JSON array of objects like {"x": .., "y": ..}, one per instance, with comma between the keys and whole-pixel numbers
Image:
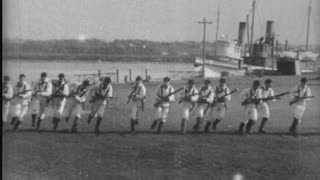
[
  {"x": 190, "y": 97},
  {"x": 7, "y": 94},
  {"x": 220, "y": 107},
  {"x": 251, "y": 94},
  {"x": 300, "y": 94},
  {"x": 163, "y": 109},
  {"x": 137, "y": 94},
  {"x": 205, "y": 99},
  {"x": 77, "y": 97},
  {"x": 42, "y": 90},
  {"x": 59, "y": 99},
  {"x": 21, "y": 101},
  {"x": 263, "y": 108},
  {"x": 101, "y": 96}
]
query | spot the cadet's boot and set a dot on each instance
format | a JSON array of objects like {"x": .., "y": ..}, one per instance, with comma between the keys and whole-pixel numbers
[
  {"x": 67, "y": 119},
  {"x": 89, "y": 119},
  {"x": 197, "y": 125},
  {"x": 241, "y": 126},
  {"x": 39, "y": 123},
  {"x": 132, "y": 125},
  {"x": 263, "y": 122},
  {"x": 154, "y": 124},
  {"x": 183, "y": 126},
  {"x": 13, "y": 120},
  {"x": 96, "y": 130},
  {"x": 56, "y": 124},
  {"x": 214, "y": 124},
  {"x": 74, "y": 126},
  {"x": 16, "y": 125},
  {"x": 160, "y": 126},
  {"x": 33, "y": 117},
  {"x": 54, "y": 119},
  {"x": 136, "y": 121},
  {"x": 294, "y": 125},
  {"x": 249, "y": 126},
  {"x": 207, "y": 126}
]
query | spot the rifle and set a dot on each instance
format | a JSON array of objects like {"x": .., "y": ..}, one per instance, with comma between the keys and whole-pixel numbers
[
  {"x": 19, "y": 93},
  {"x": 297, "y": 99},
  {"x": 34, "y": 94},
  {"x": 256, "y": 101},
  {"x": 132, "y": 93},
  {"x": 98, "y": 97},
  {"x": 56, "y": 93},
  {"x": 161, "y": 98},
  {"x": 220, "y": 98},
  {"x": 188, "y": 97}
]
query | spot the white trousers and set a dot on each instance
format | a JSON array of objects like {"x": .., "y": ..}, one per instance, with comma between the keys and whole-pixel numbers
[
  {"x": 298, "y": 110},
  {"x": 264, "y": 110},
  {"x": 186, "y": 110},
  {"x": 251, "y": 112},
  {"x": 136, "y": 105},
  {"x": 162, "y": 113},
  {"x": 58, "y": 106},
  {"x": 219, "y": 111},
  {"x": 5, "y": 110},
  {"x": 97, "y": 109},
  {"x": 75, "y": 109},
  {"x": 201, "y": 110},
  {"x": 20, "y": 110},
  {"x": 39, "y": 105}
]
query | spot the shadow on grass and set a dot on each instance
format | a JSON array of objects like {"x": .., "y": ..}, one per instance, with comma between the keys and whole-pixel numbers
[{"x": 150, "y": 132}]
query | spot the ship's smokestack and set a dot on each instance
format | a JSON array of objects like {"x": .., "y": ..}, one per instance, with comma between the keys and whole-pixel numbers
[
  {"x": 269, "y": 32},
  {"x": 242, "y": 28}
]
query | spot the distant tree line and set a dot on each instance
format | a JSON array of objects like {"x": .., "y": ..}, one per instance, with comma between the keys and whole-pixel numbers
[{"x": 93, "y": 49}]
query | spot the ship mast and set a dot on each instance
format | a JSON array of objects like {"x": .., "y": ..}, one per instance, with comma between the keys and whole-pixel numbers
[
  {"x": 308, "y": 27},
  {"x": 252, "y": 25},
  {"x": 217, "y": 31}
]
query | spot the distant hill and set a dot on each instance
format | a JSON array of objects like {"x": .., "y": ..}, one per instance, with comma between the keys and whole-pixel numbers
[{"x": 93, "y": 49}]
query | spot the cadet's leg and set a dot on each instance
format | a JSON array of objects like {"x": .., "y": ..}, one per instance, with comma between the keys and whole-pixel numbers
[
  {"x": 298, "y": 112},
  {"x": 59, "y": 112},
  {"x": 185, "y": 117},
  {"x": 23, "y": 111},
  {"x": 133, "y": 119},
  {"x": 93, "y": 112},
  {"x": 199, "y": 118},
  {"x": 43, "y": 105},
  {"x": 221, "y": 114},
  {"x": 164, "y": 114},
  {"x": 265, "y": 113},
  {"x": 100, "y": 113},
  {"x": 157, "y": 117},
  {"x": 253, "y": 118},
  {"x": 35, "y": 111}
]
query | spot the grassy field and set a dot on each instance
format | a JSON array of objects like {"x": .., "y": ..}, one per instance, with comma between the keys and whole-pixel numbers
[{"x": 117, "y": 154}]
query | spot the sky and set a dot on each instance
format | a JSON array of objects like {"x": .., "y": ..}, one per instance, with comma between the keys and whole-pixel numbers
[{"x": 158, "y": 20}]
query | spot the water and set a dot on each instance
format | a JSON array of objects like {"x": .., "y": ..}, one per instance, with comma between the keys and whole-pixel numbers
[{"x": 33, "y": 68}]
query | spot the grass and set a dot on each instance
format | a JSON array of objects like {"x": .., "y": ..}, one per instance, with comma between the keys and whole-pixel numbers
[{"x": 117, "y": 154}]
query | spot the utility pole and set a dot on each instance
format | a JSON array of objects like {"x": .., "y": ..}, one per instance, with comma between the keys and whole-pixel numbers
[
  {"x": 204, "y": 22},
  {"x": 217, "y": 31},
  {"x": 248, "y": 36},
  {"x": 308, "y": 27},
  {"x": 252, "y": 25}
]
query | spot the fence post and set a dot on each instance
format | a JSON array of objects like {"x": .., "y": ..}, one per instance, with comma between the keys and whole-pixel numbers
[
  {"x": 117, "y": 75},
  {"x": 146, "y": 73},
  {"x": 130, "y": 75}
]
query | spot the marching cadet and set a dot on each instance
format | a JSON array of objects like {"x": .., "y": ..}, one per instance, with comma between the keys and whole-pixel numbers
[
  {"x": 189, "y": 99},
  {"x": 205, "y": 99},
  {"x": 301, "y": 94},
  {"x": 42, "y": 91},
  {"x": 137, "y": 94},
  {"x": 21, "y": 101},
  {"x": 59, "y": 98},
  {"x": 101, "y": 96},
  {"x": 263, "y": 108},
  {"x": 221, "y": 99},
  {"x": 164, "y": 97},
  {"x": 7, "y": 94},
  {"x": 251, "y": 101},
  {"x": 77, "y": 97}
]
